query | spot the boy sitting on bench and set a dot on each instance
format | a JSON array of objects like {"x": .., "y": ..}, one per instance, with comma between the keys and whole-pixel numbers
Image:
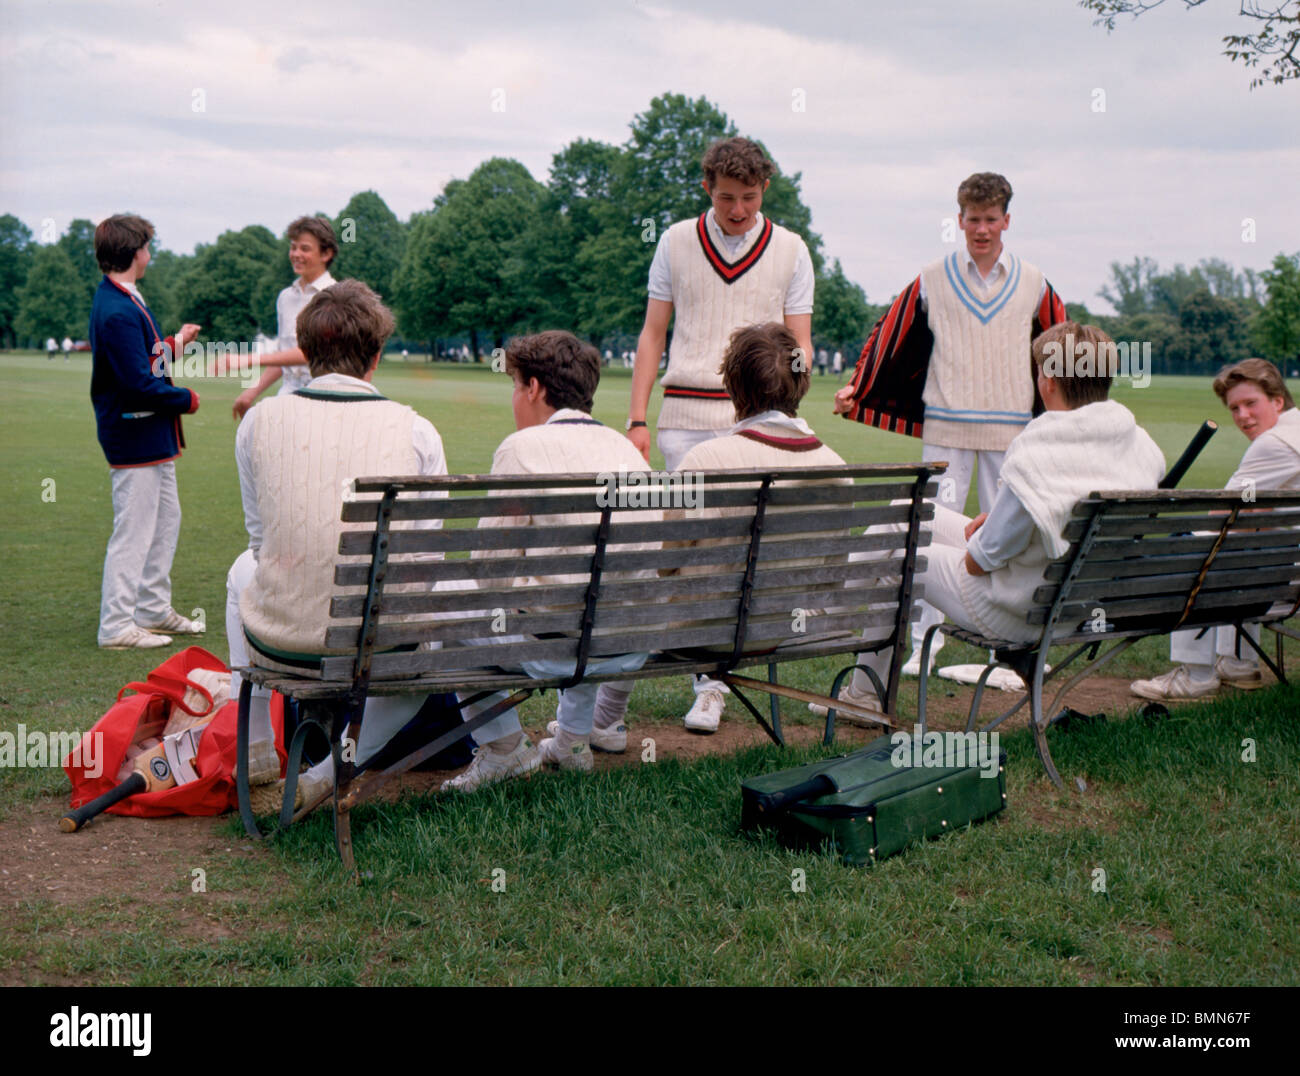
[
  {"x": 982, "y": 572},
  {"x": 555, "y": 377},
  {"x": 296, "y": 454},
  {"x": 1257, "y": 397}
]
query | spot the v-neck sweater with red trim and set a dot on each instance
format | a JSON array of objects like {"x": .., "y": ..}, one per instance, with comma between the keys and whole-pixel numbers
[{"x": 716, "y": 292}]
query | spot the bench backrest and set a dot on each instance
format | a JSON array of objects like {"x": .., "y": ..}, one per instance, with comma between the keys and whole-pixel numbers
[
  {"x": 1144, "y": 562},
  {"x": 738, "y": 562}
]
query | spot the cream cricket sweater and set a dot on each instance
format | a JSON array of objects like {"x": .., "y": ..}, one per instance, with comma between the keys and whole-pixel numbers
[
  {"x": 713, "y": 295},
  {"x": 979, "y": 392},
  {"x": 733, "y": 452},
  {"x": 1059, "y": 458},
  {"x": 305, "y": 451},
  {"x": 569, "y": 442}
]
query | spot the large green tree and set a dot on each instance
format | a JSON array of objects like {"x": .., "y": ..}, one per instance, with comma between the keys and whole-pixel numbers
[
  {"x": 842, "y": 317},
  {"x": 464, "y": 269},
  {"x": 1276, "y": 329},
  {"x": 218, "y": 287},
  {"x": 16, "y": 252},
  {"x": 371, "y": 241},
  {"x": 52, "y": 301}
]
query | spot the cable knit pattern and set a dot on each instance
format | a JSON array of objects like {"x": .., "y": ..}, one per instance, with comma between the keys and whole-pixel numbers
[
  {"x": 564, "y": 446},
  {"x": 300, "y": 494},
  {"x": 979, "y": 393},
  {"x": 736, "y": 452},
  {"x": 708, "y": 310},
  {"x": 1058, "y": 459}
]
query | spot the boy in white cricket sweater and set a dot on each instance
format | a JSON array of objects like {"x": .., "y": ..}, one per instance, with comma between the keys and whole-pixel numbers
[
  {"x": 296, "y": 454},
  {"x": 1261, "y": 406},
  {"x": 947, "y": 361},
  {"x": 725, "y": 269},
  {"x": 982, "y": 572},
  {"x": 555, "y": 377},
  {"x": 766, "y": 377}
]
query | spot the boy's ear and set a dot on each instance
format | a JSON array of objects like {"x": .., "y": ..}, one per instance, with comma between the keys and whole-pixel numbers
[{"x": 707, "y": 189}]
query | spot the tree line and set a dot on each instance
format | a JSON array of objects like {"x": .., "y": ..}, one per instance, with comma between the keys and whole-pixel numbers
[{"x": 500, "y": 253}]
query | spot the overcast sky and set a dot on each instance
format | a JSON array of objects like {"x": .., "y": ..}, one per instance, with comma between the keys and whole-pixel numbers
[{"x": 305, "y": 104}]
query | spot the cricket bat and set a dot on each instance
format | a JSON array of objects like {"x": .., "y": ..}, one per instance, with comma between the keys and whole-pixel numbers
[{"x": 167, "y": 764}]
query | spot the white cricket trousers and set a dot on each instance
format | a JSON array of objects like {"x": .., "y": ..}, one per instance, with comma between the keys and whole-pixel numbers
[
  {"x": 384, "y": 715},
  {"x": 954, "y": 486},
  {"x": 137, "y": 585}
]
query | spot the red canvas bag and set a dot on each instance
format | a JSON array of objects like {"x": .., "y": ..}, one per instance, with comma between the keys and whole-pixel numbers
[{"x": 143, "y": 715}]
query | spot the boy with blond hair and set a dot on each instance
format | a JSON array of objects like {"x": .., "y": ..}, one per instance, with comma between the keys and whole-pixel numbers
[{"x": 947, "y": 362}]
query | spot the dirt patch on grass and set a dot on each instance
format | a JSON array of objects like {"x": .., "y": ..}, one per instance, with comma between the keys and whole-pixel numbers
[{"x": 151, "y": 861}]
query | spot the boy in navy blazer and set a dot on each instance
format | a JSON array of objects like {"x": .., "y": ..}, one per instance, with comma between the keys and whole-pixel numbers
[{"x": 137, "y": 414}]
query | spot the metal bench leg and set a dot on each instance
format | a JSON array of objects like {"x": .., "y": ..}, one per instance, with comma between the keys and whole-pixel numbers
[
  {"x": 925, "y": 676},
  {"x": 775, "y": 703},
  {"x": 1037, "y": 723},
  {"x": 343, "y": 771},
  {"x": 241, "y": 761},
  {"x": 828, "y": 736}
]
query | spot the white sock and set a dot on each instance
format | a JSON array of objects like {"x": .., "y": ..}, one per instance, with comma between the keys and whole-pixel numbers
[{"x": 1201, "y": 674}]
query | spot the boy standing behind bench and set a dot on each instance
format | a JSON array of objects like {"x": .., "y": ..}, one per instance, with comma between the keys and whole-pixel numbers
[
  {"x": 947, "y": 362},
  {"x": 983, "y": 572}
]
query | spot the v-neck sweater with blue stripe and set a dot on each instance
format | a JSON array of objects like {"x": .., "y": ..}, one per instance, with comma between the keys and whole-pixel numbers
[{"x": 980, "y": 391}]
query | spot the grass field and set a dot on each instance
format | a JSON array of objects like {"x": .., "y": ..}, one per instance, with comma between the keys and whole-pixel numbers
[{"x": 637, "y": 875}]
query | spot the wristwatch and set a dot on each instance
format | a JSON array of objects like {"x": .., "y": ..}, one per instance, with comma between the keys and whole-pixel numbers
[{"x": 633, "y": 422}]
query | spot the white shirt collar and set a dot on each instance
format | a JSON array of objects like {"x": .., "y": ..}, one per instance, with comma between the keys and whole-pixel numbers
[
  {"x": 788, "y": 425},
  {"x": 342, "y": 383},
  {"x": 319, "y": 284},
  {"x": 711, "y": 221},
  {"x": 1003, "y": 262},
  {"x": 568, "y": 413}
]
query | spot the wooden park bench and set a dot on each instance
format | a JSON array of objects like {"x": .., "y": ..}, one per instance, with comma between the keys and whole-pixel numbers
[
  {"x": 1145, "y": 563},
  {"x": 770, "y": 582}
]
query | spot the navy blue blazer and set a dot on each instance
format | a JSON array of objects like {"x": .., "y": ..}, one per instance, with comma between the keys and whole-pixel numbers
[{"x": 137, "y": 412}]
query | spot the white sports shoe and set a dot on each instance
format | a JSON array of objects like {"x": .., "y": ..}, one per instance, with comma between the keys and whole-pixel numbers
[
  {"x": 706, "y": 714},
  {"x": 490, "y": 766},
  {"x": 867, "y": 701},
  {"x": 612, "y": 739},
  {"x": 177, "y": 625},
  {"x": 135, "y": 637},
  {"x": 1240, "y": 673},
  {"x": 912, "y": 667},
  {"x": 1174, "y": 686},
  {"x": 574, "y": 754}
]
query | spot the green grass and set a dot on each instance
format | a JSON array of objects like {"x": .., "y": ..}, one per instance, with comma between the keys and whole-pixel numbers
[{"x": 639, "y": 875}]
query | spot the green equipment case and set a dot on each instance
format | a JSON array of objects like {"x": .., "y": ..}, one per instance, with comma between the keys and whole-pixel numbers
[{"x": 871, "y": 803}]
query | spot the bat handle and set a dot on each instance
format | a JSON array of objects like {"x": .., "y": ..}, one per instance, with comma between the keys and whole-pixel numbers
[
  {"x": 786, "y": 797},
  {"x": 74, "y": 820}
]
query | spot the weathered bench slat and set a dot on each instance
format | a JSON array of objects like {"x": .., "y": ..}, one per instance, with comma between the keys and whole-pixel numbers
[
  {"x": 470, "y": 679},
  {"x": 416, "y": 483},
  {"x": 761, "y": 632},
  {"x": 622, "y": 533},
  {"x": 663, "y": 615},
  {"x": 1224, "y": 600},
  {"x": 1218, "y": 578},
  {"x": 663, "y": 588},
  {"x": 540, "y": 504},
  {"x": 1152, "y": 566},
  {"x": 356, "y": 575},
  {"x": 1118, "y": 549},
  {"x": 1166, "y": 524},
  {"x": 1139, "y": 502}
]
